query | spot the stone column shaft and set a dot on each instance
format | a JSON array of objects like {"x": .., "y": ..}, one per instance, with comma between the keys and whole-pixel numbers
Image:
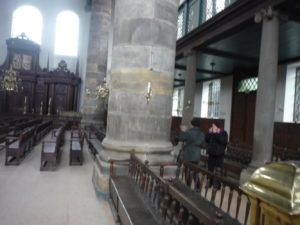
[
  {"x": 189, "y": 89},
  {"x": 266, "y": 93},
  {"x": 93, "y": 109}
]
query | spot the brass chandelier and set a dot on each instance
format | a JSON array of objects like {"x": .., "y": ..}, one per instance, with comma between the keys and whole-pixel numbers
[{"x": 10, "y": 81}]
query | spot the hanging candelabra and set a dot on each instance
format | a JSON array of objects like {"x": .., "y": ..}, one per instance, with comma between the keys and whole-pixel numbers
[{"x": 10, "y": 81}]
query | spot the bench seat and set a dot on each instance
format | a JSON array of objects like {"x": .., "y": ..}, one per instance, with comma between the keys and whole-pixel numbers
[
  {"x": 75, "y": 145},
  {"x": 202, "y": 203},
  {"x": 14, "y": 145},
  {"x": 49, "y": 147},
  {"x": 130, "y": 204}
]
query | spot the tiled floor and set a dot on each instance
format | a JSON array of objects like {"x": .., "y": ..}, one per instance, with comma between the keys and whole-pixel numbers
[{"x": 62, "y": 197}]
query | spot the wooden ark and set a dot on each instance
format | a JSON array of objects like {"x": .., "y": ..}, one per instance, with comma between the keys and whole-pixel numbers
[{"x": 40, "y": 91}]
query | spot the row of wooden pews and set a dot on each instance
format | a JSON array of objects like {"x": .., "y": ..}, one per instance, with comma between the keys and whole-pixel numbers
[
  {"x": 22, "y": 137},
  {"x": 76, "y": 146},
  {"x": 51, "y": 149},
  {"x": 142, "y": 197},
  {"x": 94, "y": 137}
]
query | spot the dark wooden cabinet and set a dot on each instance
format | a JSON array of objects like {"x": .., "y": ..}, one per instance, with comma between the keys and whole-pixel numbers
[{"x": 40, "y": 91}]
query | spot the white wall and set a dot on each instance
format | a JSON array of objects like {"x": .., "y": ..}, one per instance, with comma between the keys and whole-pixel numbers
[
  {"x": 280, "y": 93},
  {"x": 289, "y": 92},
  {"x": 198, "y": 100}
]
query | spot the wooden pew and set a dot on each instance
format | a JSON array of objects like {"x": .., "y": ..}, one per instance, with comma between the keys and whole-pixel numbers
[
  {"x": 222, "y": 195},
  {"x": 51, "y": 151},
  {"x": 18, "y": 128},
  {"x": 142, "y": 197},
  {"x": 18, "y": 147},
  {"x": 283, "y": 153},
  {"x": 42, "y": 129},
  {"x": 3, "y": 132},
  {"x": 94, "y": 138},
  {"x": 76, "y": 146}
]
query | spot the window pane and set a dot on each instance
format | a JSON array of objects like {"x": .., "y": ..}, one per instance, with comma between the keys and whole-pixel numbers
[
  {"x": 214, "y": 98},
  {"x": 297, "y": 96},
  {"x": 248, "y": 85},
  {"x": 27, "y": 19},
  {"x": 66, "y": 36},
  {"x": 193, "y": 16}
]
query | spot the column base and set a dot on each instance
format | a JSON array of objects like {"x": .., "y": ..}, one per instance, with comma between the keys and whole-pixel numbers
[{"x": 101, "y": 169}]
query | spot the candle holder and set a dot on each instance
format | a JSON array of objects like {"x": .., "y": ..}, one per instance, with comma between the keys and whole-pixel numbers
[
  {"x": 49, "y": 107},
  {"x": 41, "y": 108},
  {"x": 25, "y": 106},
  {"x": 149, "y": 93}
]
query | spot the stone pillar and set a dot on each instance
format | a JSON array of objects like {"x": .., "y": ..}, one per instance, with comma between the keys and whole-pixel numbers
[
  {"x": 266, "y": 92},
  {"x": 143, "y": 60},
  {"x": 93, "y": 109},
  {"x": 189, "y": 89}
]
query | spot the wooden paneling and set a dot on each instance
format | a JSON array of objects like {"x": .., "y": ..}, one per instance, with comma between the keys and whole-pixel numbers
[{"x": 287, "y": 135}]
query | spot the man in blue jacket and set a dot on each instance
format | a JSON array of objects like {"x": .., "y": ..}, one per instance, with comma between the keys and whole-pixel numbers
[{"x": 193, "y": 139}]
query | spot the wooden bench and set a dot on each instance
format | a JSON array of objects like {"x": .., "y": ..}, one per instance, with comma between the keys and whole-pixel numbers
[
  {"x": 3, "y": 132},
  {"x": 220, "y": 195},
  {"x": 76, "y": 147},
  {"x": 18, "y": 147},
  {"x": 51, "y": 152},
  {"x": 42, "y": 129},
  {"x": 283, "y": 153},
  {"x": 239, "y": 153},
  {"x": 94, "y": 138},
  {"x": 142, "y": 197},
  {"x": 18, "y": 128}
]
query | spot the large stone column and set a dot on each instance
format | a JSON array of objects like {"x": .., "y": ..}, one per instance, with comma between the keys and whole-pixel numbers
[
  {"x": 266, "y": 92},
  {"x": 93, "y": 109},
  {"x": 189, "y": 88},
  {"x": 143, "y": 60}
]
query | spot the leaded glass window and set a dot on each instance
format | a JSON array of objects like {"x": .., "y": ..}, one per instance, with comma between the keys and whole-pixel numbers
[
  {"x": 67, "y": 33},
  {"x": 180, "y": 21},
  {"x": 248, "y": 85},
  {"x": 214, "y": 98},
  {"x": 213, "y": 7},
  {"x": 193, "y": 16},
  {"x": 297, "y": 96},
  {"x": 178, "y": 95},
  {"x": 27, "y": 19}
]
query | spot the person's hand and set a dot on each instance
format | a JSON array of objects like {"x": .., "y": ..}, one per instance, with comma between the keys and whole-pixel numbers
[
  {"x": 183, "y": 128},
  {"x": 215, "y": 129},
  {"x": 210, "y": 130}
]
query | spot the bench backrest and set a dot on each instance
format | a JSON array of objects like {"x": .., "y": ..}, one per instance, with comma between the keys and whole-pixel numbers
[
  {"x": 227, "y": 195},
  {"x": 44, "y": 126},
  {"x": 97, "y": 132},
  {"x": 171, "y": 204}
]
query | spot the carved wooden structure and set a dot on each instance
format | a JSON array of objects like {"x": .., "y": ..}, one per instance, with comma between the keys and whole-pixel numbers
[{"x": 47, "y": 92}]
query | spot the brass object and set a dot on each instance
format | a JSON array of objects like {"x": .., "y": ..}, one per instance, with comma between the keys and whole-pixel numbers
[
  {"x": 102, "y": 91},
  {"x": 41, "y": 108},
  {"x": 274, "y": 192},
  {"x": 49, "y": 107},
  {"x": 149, "y": 93},
  {"x": 10, "y": 80},
  {"x": 25, "y": 105}
]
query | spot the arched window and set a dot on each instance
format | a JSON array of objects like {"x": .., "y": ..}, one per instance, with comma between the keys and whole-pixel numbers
[
  {"x": 27, "y": 19},
  {"x": 66, "y": 35}
]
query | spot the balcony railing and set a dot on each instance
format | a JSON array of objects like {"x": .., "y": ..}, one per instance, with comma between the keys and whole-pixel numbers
[{"x": 193, "y": 13}]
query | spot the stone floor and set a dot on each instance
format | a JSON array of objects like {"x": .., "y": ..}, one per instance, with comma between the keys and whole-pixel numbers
[{"x": 62, "y": 197}]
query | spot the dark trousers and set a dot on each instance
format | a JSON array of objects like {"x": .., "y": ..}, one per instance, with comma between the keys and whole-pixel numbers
[{"x": 215, "y": 163}]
